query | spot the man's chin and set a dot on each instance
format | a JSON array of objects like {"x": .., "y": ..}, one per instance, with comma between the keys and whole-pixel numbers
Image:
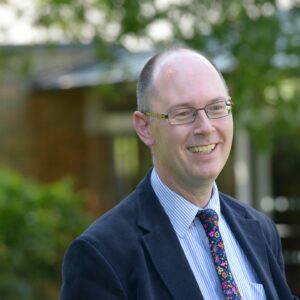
[{"x": 204, "y": 178}]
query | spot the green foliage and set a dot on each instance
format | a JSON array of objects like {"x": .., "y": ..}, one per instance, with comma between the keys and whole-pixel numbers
[
  {"x": 37, "y": 223},
  {"x": 258, "y": 39}
]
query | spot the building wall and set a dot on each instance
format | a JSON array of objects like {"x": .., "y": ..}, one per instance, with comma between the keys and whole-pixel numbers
[
  {"x": 21, "y": 112},
  {"x": 13, "y": 128},
  {"x": 57, "y": 144}
]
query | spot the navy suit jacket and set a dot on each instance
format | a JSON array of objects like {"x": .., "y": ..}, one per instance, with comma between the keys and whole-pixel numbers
[{"x": 132, "y": 252}]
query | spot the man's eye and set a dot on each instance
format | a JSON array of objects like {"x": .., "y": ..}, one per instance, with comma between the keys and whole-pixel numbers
[
  {"x": 216, "y": 107},
  {"x": 182, "y": 114}
]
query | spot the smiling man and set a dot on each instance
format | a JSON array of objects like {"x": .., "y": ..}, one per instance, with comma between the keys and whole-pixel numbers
[
  {"x": 189, "y": 147},
  {"x": 176, "y": 236}
]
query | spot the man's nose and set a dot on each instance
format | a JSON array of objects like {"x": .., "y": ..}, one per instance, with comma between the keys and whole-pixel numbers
[{"x": 203, "y": 124}]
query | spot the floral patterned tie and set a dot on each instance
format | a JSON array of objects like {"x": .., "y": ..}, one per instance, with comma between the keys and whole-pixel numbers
[{"x": 209, "y": 220}]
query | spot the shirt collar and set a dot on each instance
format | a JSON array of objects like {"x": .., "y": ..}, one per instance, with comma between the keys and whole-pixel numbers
[{"x": 180, "y": 211}]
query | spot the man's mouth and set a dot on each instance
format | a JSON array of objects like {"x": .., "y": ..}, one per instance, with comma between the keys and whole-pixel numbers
[{"x": 203, "y": 149}]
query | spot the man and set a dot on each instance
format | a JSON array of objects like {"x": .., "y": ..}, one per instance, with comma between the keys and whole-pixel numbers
[{"x": 154, "y": 244}]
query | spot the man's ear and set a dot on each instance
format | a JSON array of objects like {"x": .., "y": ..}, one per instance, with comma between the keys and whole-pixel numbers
[{"x": 142, "y": 128}]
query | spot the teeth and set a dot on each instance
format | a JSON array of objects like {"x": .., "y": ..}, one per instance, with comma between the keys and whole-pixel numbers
[{"x": 203, "y": 149}]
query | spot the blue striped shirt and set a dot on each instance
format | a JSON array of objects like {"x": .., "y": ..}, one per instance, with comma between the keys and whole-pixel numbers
[{"x": 195, "y": 245}]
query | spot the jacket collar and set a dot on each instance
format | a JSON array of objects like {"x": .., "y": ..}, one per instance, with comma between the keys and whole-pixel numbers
[
  {"x": 165, "y": 251},
  {"x": 249, "y": 234},
  {"x": 163, "y": 246}
]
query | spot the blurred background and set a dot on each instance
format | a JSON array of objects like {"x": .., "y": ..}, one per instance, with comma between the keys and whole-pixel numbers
[{"x": 68, "y": 150}]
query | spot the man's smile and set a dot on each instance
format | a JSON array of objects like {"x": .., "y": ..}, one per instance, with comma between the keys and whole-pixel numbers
[{"x": 202, "y": 149}]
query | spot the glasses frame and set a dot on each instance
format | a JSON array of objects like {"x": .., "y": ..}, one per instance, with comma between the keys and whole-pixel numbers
[{"x": 228, "y": 102}]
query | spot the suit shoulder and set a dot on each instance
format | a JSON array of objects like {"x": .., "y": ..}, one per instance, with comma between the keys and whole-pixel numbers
[
  {"x": 120, "y": 218},
  {"x": 267, "y": 225},
  {"x": 238, "y": 205}
]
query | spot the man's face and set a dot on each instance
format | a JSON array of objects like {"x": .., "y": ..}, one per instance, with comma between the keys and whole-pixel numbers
[{"x": 191, "y": 154}]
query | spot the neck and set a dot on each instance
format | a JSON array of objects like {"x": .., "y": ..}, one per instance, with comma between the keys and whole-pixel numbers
[
  {"x": 199, "y": 194},
  {"x": 199, "y": 197}
]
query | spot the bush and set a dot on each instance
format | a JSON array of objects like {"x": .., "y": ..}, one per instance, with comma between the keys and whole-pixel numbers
[{"x": 37, "y": 223}]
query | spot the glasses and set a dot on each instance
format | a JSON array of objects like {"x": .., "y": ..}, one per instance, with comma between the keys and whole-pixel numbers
[{"x": 185, "y": 115}]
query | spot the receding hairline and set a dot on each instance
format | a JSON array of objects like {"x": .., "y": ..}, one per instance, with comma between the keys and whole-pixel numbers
[
  {"x": 167, "y": 57},
  {"x": 156, "y": 64}
]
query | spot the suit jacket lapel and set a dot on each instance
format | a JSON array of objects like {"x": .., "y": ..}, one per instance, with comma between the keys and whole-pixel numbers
[
  {"x": 249, "y": 235},
  {"x": 163, "y": 246}
]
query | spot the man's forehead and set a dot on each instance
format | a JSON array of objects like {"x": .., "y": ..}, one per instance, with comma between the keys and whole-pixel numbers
[{"x": 171, "y": 63}]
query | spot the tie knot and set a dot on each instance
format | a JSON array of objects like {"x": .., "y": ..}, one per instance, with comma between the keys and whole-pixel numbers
[{"x": 209, "y": 217}]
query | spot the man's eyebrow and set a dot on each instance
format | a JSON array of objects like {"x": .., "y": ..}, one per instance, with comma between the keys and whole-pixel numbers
[
  {"x": 181, "y": 105},
  {"x": 188, "y": 104},
  {"x": 221, "y": 98}
]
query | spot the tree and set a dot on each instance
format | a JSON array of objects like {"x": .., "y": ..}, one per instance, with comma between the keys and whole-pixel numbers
[
  {"x": 37, "y": 223},
  {"x": 256, "y": 41}
]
